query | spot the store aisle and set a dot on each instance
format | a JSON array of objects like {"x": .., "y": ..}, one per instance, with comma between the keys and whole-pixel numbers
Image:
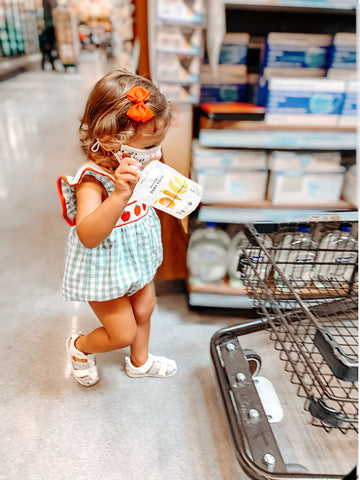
[{"x": 52, "y": 428}]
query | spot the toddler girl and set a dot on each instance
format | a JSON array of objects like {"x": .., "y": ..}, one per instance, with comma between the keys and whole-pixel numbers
[{"x": 114, "y": 245}]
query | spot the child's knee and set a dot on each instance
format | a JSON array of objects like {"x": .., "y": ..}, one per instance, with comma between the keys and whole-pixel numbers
[
  {"x": 144, "y": 311},
  {"x": 123, "y": 338},
  {"x": 151, "y": 305}
]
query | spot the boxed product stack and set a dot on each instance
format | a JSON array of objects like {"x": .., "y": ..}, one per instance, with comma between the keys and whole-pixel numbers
[
  {"x": 178, "y": 46},
  {"x": 229, "y": 83},
  {"x": 342, "y": 62},
  {"x": 293, "y": 87},
  {"x": 350, "y": 191},
  {"x": 182, "y": 39},
  {"x": 229, "y": 175},
  {"x": 177, "y": 68},
  {"x": 295, "y": 55},
  {"x": 304, "y": 101},
  {"x": 348, "y": 117},
  {"x": 305, "y": 178},
  {"x": 342, "y": 65}
]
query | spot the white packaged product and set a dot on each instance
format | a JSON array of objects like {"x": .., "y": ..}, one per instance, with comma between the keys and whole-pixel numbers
[
  {"x": 207, "y": 254},
  {"x": 261, "y": 265},
  {"x": 181, "y": 93},
  {"x": 178, "y": 39},
  {"x": 164, "y": 188},
  {"x": 305, "y": 178},
  {"x": 295, "y": 259},
  {"x": 180, "y": 11},
  {"x": 350, "y": 190},
  {"x": 336, "y": 258},
  {"x": 229, "y": 175},
  {"x": 171, "y": 67}
]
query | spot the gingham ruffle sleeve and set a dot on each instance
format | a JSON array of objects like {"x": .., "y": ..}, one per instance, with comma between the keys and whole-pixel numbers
[{"x": 67, "y": 188}]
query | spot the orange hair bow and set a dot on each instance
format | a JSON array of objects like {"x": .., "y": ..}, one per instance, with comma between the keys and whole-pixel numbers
[{"x": 139, "y": 112}]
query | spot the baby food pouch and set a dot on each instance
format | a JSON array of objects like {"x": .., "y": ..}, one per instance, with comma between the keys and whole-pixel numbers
[{"x": 164, "y": 188}]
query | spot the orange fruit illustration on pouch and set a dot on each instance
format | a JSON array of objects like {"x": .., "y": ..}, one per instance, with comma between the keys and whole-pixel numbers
[
  {"x": 137, "y": 210},
  {"x": 170, "y": 194},
  {"x": 167, "y": 202},
  {"x": 178, "y": 185}
]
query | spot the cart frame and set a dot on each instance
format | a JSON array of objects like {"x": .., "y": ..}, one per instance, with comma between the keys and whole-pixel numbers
[{"x": 257, "y": 451}]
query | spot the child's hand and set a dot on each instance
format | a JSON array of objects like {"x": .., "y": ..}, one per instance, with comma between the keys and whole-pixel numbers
[{"x": 126, "y": 176}]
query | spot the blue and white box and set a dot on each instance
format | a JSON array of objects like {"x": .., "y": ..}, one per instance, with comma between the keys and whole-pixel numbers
[
  {"x": 233, "y": 51},
  {"x": 227, "y": 85},
  {"x": 304, "y": 101},
  {"x": 348, "y": 117},
  {"x": 343, "y": 56},
  {"x": 224, "y": 92},
  {"x": 296, "y": 54}
]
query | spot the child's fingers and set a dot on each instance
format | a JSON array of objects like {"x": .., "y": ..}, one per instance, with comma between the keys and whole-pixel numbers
[
  {"x": 126, "y": 174},
  {"x": 128, "y": 165},
  {"x": 130, "y": 177}
]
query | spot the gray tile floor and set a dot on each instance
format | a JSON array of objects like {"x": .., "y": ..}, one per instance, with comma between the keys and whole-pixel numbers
[{"x": 122, "y": 429}]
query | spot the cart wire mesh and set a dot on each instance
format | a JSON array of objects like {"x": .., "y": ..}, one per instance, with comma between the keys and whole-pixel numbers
[{"x": 314, "y": 329}]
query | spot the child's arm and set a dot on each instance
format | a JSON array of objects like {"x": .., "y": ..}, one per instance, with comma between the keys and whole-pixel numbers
[{"x": 96, "y": 218}]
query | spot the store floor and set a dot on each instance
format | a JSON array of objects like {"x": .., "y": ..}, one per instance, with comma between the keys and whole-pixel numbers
[{"x": 51, "y": 427}]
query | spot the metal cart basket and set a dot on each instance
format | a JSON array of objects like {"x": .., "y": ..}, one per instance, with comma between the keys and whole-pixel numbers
[{"x": 308, "y": 307}]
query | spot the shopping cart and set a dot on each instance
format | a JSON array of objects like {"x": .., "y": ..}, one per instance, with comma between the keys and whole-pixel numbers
[{"x": 315, "y": 331}]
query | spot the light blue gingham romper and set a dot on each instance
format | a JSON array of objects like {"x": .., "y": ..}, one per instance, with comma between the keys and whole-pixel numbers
[{"x": 124, "y": 262}]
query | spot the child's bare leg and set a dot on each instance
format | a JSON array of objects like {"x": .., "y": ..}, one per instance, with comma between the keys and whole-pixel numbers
[
  {"x": 141, "y": 363},
  {"x": 119, "y": 327},
  {"x": 143, "y": 303}
]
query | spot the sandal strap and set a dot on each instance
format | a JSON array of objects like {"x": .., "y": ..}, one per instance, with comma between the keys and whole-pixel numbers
[
  {"x": 90, "y": 372},
  {"x": 157, "y": 368},
  {"x": 153, "y": 367},
  {"x": 166, "y": 360},
  {"x": 77, "y": 353},
  {"x": 85, "y": 372},
  {"x": 82, "y": 365}
]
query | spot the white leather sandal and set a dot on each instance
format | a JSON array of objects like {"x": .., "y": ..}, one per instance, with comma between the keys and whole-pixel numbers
[
  {"x": 159, "y": 367},
  {"x": 86, "y": 373}
]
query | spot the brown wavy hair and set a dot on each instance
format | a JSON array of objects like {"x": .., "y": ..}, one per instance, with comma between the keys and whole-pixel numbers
[{"x": 105, "y": 118}]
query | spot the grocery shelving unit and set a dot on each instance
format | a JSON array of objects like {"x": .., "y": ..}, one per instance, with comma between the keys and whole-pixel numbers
[
  {"x": 20, "y": 24},
  {"x": 259, "y": 135},
  {"x": 245, "y": 214},
  {"x": 300, "y": 5},
  {"x": 224, "y": 295}
]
